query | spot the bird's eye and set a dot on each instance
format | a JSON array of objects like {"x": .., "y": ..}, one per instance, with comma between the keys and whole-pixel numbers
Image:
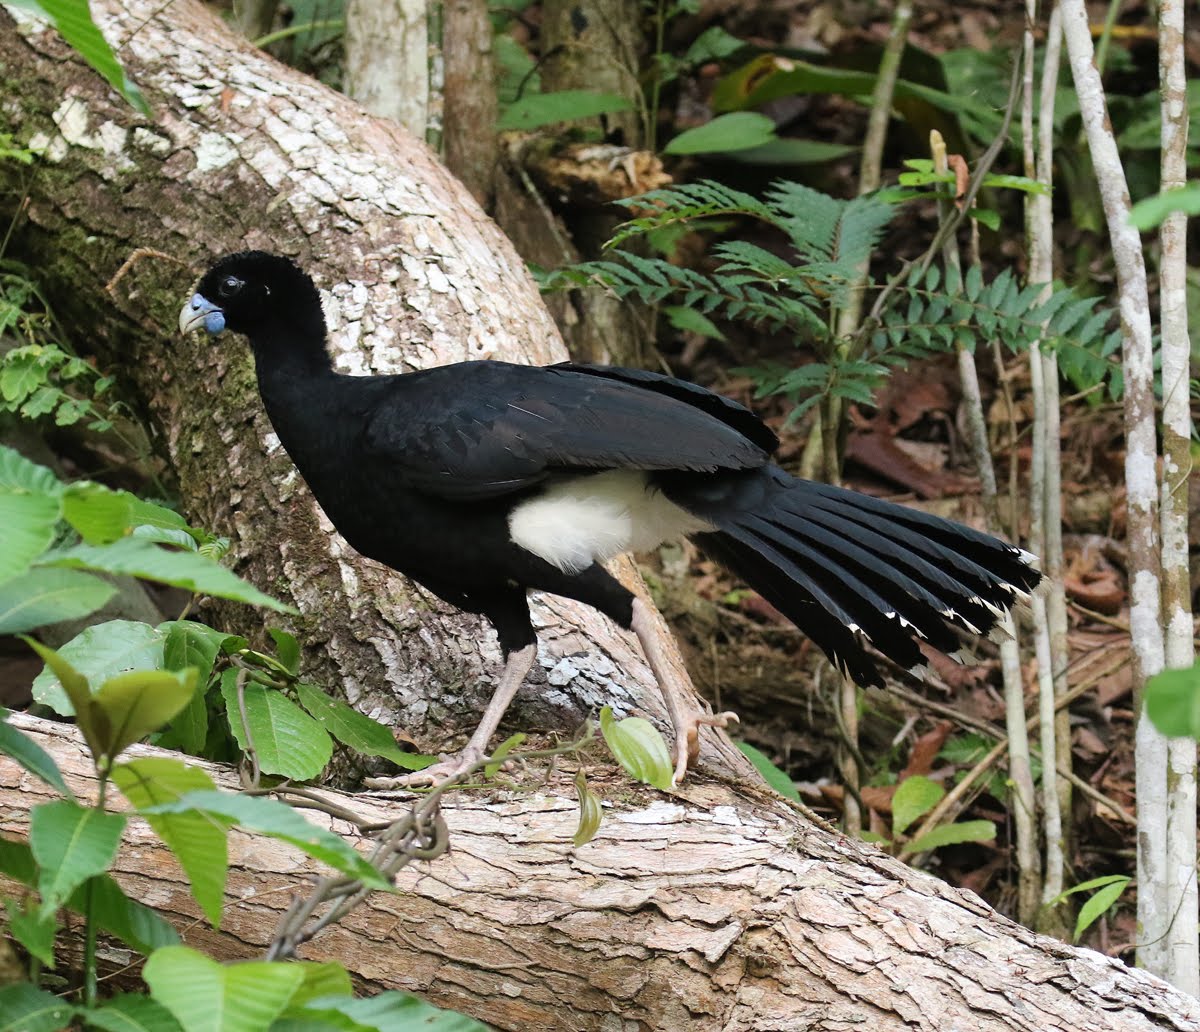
[{"x": 229, "y": 286}]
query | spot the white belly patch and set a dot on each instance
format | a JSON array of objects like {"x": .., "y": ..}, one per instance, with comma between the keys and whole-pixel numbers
[{"x": 594, "y": 517}]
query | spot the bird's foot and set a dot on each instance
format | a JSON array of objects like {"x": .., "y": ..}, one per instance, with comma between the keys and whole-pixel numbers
[
  {"x": 447, "y": 768},
  {"x": 687, "y": 735}
]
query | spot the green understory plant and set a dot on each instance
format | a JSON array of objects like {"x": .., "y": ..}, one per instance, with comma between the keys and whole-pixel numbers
[{"x": 798, "y": 290}]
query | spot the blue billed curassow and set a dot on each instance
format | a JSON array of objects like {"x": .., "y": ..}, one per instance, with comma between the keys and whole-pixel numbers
[{"x": 485, "y": 480}]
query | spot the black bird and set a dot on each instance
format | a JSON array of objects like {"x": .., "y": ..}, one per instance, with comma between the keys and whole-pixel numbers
[{"x": 485, "y": 480}]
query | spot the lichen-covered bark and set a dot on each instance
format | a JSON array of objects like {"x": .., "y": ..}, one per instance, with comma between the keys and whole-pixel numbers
[
  {"x": 244, "y": 152},
  {"x": 710, "y": 909}
]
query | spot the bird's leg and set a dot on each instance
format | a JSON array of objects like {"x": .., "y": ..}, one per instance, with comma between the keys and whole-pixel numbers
[
  {"x": 515, "y": 668},
  {"x": 684, "y": 709}
]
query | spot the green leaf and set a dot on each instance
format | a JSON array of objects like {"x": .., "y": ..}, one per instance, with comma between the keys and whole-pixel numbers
[
  {"x": 915, "y": 796},
  {"x": 18, "y": 474},
  {"x": 286, "y": 740},
  {"x": 591, "y": 812},
  {"x": 712, "y": 44},
  {"x": 44, "y": 596},
  {"x": 71, "y": 843},
  {"x": 96, "y": 654},
  {"x": 24, "y": 1008},
  {"x": 540, "y": 109},
  {"x": 1098, "y": 905},
  {"x": 771, "y": 774},
  {"x": 137, "y": 703},
  {"x": 688, "y": 320},
  {"x": 205, "y": 996},
  {"x": 396, "y": 1012},
  {"x": 189, "y": 570},
  {"x": 73, "y": 686},
  {"x": 132, "y": 1012},
  {"x": 790, "y": 150},
  {"x": 1173, "y": 702},
  {"x": 951, "y": 834},
  {"x": 287, "y": 649},
  {"x": 30, "y": 755},
  {"x": 100, "y": 515},
  {"x": 28, "y": 521},
  {"x": 73, "y": 19},
  {"x": 320, "y": 979},
  {"x": 639, "y": 748},
  {"x": 34, "y": 929},
  {"x": 132, "y": 922},
  {"x": 279, "y": 821},
  {"x": 1150, "y": 212},
  {"x": 356, "y": 730},
  {"x": 738, "y": 131},
  {"x": 198, "y": 841},
  {"x": 190, "y": 644},
  {"x": 502, "y": 750}
]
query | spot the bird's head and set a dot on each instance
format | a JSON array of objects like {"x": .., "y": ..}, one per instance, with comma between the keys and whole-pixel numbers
[{"x": 252, "y": 292}]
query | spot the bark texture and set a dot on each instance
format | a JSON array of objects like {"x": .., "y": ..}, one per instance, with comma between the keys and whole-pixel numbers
[
  {"x": 244, "y": 152},
  {"x": 712, "y": 908}
]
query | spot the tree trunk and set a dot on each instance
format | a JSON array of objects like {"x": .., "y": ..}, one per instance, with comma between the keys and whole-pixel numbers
[
  {"x": 716, "y": 906},
  {"x": 245, "y": 152}
]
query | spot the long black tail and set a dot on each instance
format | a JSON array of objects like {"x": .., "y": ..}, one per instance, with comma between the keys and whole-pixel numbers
[{"x": 845, "y": 567}]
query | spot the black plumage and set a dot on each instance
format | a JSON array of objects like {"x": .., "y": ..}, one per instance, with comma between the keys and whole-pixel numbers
[{"x": 484, "y": 480}]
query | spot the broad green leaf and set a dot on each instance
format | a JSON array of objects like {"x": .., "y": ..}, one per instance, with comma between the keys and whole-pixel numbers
[
  {"x": 45, "y": 595},
  {"x": 205, "y": 996},
  {"x": 132, "y": 1012},
  {"x": 73, "y": 687},
  {"x": 287, "y": 649},
  {"x": 1150, "y": 212},
  {"x": 951, "y": 834},
  {"x": 71, "y": 843},
  {"x": 591, "y": 812},
  {"x": 712, "y": 44},
  {"x": 132, "y": 922},
  {"x": 19, "y": 475},
  {"x": 137, "y": 703},
  {"x": 320, "y": 979},
  {"x": 790, "y": 150},
  {"x": 24, "y": 1008},
  {"x": 639, "y": 748},
  {"x": 73, "y": 19},
  {"x": 397, "y": 1012},
  {"x": 286, "y": 740},
  {"x": 356, "y": 730},
  {"x": 538, "y": 109},
  {"x": 1098, "y": 904},
  {"x": 1173, "y": 702},
  {"x": 770, "y": 773},
  {"x": 198, "y": 841},
  {"x": 191, "y": 571},
  {"x": 33, "y": 928},
  {"x": 100, "y": 515},
  {"x": 279, "y": 821},
  {"x": 737, "y": 131},
  {"x": 914, "y": 797},
  {"x": 190, "y": 644},
  {"x": 30, "y": 755},
  {"x": 28, "y": 521},
  {"x": 98, "y": 653}
]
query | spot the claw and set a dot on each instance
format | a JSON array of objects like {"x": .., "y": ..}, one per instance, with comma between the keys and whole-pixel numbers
[
  {"x": 687, "y": 737},
  {"x": 446, "y": 769}
]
